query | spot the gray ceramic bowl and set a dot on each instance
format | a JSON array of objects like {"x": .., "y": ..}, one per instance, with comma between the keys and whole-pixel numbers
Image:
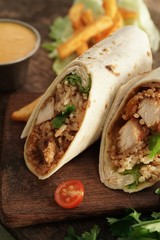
[{"x": 13, "y": 73}]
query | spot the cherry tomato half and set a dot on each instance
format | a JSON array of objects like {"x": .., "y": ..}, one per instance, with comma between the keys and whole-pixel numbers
[{"x": 69, "y": 194}]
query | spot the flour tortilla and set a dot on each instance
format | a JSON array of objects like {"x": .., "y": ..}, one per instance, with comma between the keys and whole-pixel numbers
[
  {"x": 110, "y": 63},
  {"x": 108, "y": 175}
]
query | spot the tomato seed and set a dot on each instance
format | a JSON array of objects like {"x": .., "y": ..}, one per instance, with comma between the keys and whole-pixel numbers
[
  {"x": 68, "y": 199},
  {"x": 71, "y": 187}
]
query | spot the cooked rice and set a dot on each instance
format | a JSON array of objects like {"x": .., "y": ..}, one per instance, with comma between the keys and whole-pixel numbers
[
  {"x": 47, "y": 145},
  {"x": 139, "y": 154}
]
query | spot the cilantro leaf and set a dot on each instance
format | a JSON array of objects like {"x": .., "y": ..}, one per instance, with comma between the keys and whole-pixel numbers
[
  {"x": 92, "y": 235},
  {"x": 75, "y": 80},
  {"x": 59, "y": 120},
  {"x": 155, "y": 215},
  {"x": 154, "y": 144},
  {"x": 131, "y": 227},
  {"x": 122, "y": 227}
]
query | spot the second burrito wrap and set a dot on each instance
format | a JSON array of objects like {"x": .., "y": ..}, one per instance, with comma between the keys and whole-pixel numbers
[
  {"x": 130, "y": 146},
  {"x": 71, "y": 113}
]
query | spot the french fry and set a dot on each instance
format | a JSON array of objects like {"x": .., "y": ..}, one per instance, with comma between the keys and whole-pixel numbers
[
  {"x": 84, "y": 47},
  {"x": 118, "y": 22},
  {"x": 84, "y": 35},
  {"x": 87, "y": 16},
  {"x": 24, "y": 113},
  {"x": 74, "y": 14},
  {"x": 110, "y": 7},
  {"x": 127, "y": 13}
]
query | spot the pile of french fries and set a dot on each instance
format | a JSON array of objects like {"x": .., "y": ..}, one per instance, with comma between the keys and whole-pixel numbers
[{"x": 88, "y": 30}]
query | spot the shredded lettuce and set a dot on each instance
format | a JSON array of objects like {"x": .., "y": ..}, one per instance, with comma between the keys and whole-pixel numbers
[{"x": 143, "y": 21}]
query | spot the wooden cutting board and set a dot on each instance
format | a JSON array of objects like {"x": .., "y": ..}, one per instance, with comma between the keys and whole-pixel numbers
[{"x": 25, "y": 200}]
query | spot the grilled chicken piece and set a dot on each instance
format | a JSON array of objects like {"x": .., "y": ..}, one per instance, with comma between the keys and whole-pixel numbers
[
  {"x": 49, "y": 152},
  {"x": 149, "y": 110},
  {"x": 46, "y": 112},
  {"x": 130, "y": 135},
  {"x": 46, "y": 149}
]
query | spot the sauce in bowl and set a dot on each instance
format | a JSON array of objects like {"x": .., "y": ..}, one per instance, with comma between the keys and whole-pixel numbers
[{"x": 16, "y": 41}]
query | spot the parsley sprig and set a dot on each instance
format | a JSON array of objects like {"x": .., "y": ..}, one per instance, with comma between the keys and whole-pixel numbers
[
  {"x": 130, "y": 227},
  {"x": 92, "y": 235}
]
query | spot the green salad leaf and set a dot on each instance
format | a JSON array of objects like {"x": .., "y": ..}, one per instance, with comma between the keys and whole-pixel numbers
[
  {"x": 143, "y": 21},
  {"x": 154, "y": 145},
  {"x": 59, "y": 64},
  {"x": 136, "y": 174},
  {"x": 59, "y": 120},
  {"x": 61, "y": 29}
]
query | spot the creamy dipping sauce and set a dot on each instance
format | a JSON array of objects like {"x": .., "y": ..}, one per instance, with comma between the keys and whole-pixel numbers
[{"x": 16, "y": 41}]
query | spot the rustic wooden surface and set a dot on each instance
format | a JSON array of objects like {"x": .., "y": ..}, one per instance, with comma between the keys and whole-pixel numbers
[
  {"x": 40, "y": 14},
  {"x": 27, "y": 200}
]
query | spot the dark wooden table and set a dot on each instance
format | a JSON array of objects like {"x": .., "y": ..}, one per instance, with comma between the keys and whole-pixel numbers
[{"x": 41, "y": 13}]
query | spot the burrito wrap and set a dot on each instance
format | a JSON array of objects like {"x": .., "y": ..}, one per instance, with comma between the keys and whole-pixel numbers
[
  {"x": 108, "y": 65},
  {"x": 125, "y": 162}
]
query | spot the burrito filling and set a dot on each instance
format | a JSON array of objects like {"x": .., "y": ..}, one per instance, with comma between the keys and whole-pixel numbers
[
  {"x": 135, "y": 147},
  {"x": 57, "y": 123}
]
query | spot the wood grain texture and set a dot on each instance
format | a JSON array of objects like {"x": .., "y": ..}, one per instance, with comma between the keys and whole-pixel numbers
[{"x": 26, "y": 200}]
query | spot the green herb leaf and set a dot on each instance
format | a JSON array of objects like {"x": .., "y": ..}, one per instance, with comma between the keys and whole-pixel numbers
[
  {"x": 92, "y": 235},
  {"x": 154, "y": 145},
  {"x": 155, "y": 215},
  {"x": 75, "y": 80},
  {"x": 131, "y": 227},
  {"x": 59, "y": 120},
  {"x": 122, "y": 227}
]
